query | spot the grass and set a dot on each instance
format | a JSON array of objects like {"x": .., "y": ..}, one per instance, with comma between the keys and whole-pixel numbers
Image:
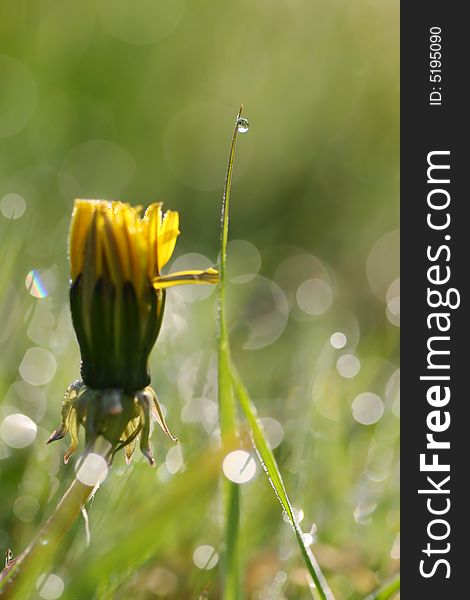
[
  {"x": 139, "y": 521},
  {"x": 230, "y": 381},
  {"x": 311, "y": 188}
]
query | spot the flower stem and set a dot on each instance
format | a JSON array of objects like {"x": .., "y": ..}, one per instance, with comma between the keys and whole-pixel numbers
[{"x": 19, "y": 576}]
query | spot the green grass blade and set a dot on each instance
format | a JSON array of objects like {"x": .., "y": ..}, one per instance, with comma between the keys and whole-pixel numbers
[
  {"x": 272, "y": 471},
  {"x": 231, "y": 564},
  {"x": 228, "y": 424},
  {"x": 227, "y": 413}
]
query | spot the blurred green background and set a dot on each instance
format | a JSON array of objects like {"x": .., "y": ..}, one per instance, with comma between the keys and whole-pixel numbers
[{"x": 136, "y": 101}]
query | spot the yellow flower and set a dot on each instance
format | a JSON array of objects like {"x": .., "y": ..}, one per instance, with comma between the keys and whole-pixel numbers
[
  {"x": 117, "y": 289},
  {"x": 117, "y": 298}
]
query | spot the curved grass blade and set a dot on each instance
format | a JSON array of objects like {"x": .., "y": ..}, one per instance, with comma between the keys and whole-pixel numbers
[
  {"x": 227, "y": 413},
  {"x": 228, "y": 381},
  {"x": 271, "y": 469}
]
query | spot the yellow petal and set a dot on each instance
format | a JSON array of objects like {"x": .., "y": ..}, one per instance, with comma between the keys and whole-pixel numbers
[
  {"x": 116, "y": 229},
  {"x": 152, "y": 222},
  {"x": 166, "y": 238},
  {"x": 110, "y": 241},
  {"x": 136, "y": 245},
  {"x": 82, "y": 217},
  {"x": 93, "y": 250},
  {"x": 186, "y": 277}
]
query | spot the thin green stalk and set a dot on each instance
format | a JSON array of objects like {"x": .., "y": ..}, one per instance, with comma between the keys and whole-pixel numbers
[
  {"x": 271, "y": 469},
  {"x": 227, "y": 413},
  {"x": 228, "y": 420},
  {"x": 17, "y": 579},
  {"x": 20, "y": 575},
  {"x": 228, "y": 381}
]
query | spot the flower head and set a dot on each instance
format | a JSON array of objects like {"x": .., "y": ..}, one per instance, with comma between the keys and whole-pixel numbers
[{"x": 117, "y": 298}]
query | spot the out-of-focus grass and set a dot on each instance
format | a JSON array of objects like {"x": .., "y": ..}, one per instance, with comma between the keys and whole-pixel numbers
[{"x": 317, "y": 197}]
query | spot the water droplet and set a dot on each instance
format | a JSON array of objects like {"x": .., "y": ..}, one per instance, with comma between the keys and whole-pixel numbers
[
  {"x": 44, "y": 542},
  {"x": 242, "y": 125}
]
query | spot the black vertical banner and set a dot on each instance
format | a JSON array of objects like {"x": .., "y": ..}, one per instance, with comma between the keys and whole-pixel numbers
[{"x": 435, "y": 331}]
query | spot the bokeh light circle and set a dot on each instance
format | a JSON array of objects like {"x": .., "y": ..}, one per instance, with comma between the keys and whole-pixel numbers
[
  {"x": 18, "y": 98},
  {"x": 348, "y": 366},
  {"x": 38, "y": 366},
  {"x": 18, "y": 430},
  {"x": 239, "y": 466},
  {"x": 314, "y": 296},
  {"x": 93, "y": 470},
  {"x": 273, "y": 431},
  {"x": 367, "y": 408},
  {"x": 50, "y": 587},
  {"x": 244, "y": 261},
  {"x": 26, "y": 508},
  {"x": 12, "y": 206},
  {"x": 205, "y": 557},
  {"x": 383, "y": 263},
  {"x": 96, "y": 169},
  {"x": 192, "y": 293},
  {"x": 258, "y": 312},
  {"x": 174, "y": 459},
  {"x": 338, "y": 340}
]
